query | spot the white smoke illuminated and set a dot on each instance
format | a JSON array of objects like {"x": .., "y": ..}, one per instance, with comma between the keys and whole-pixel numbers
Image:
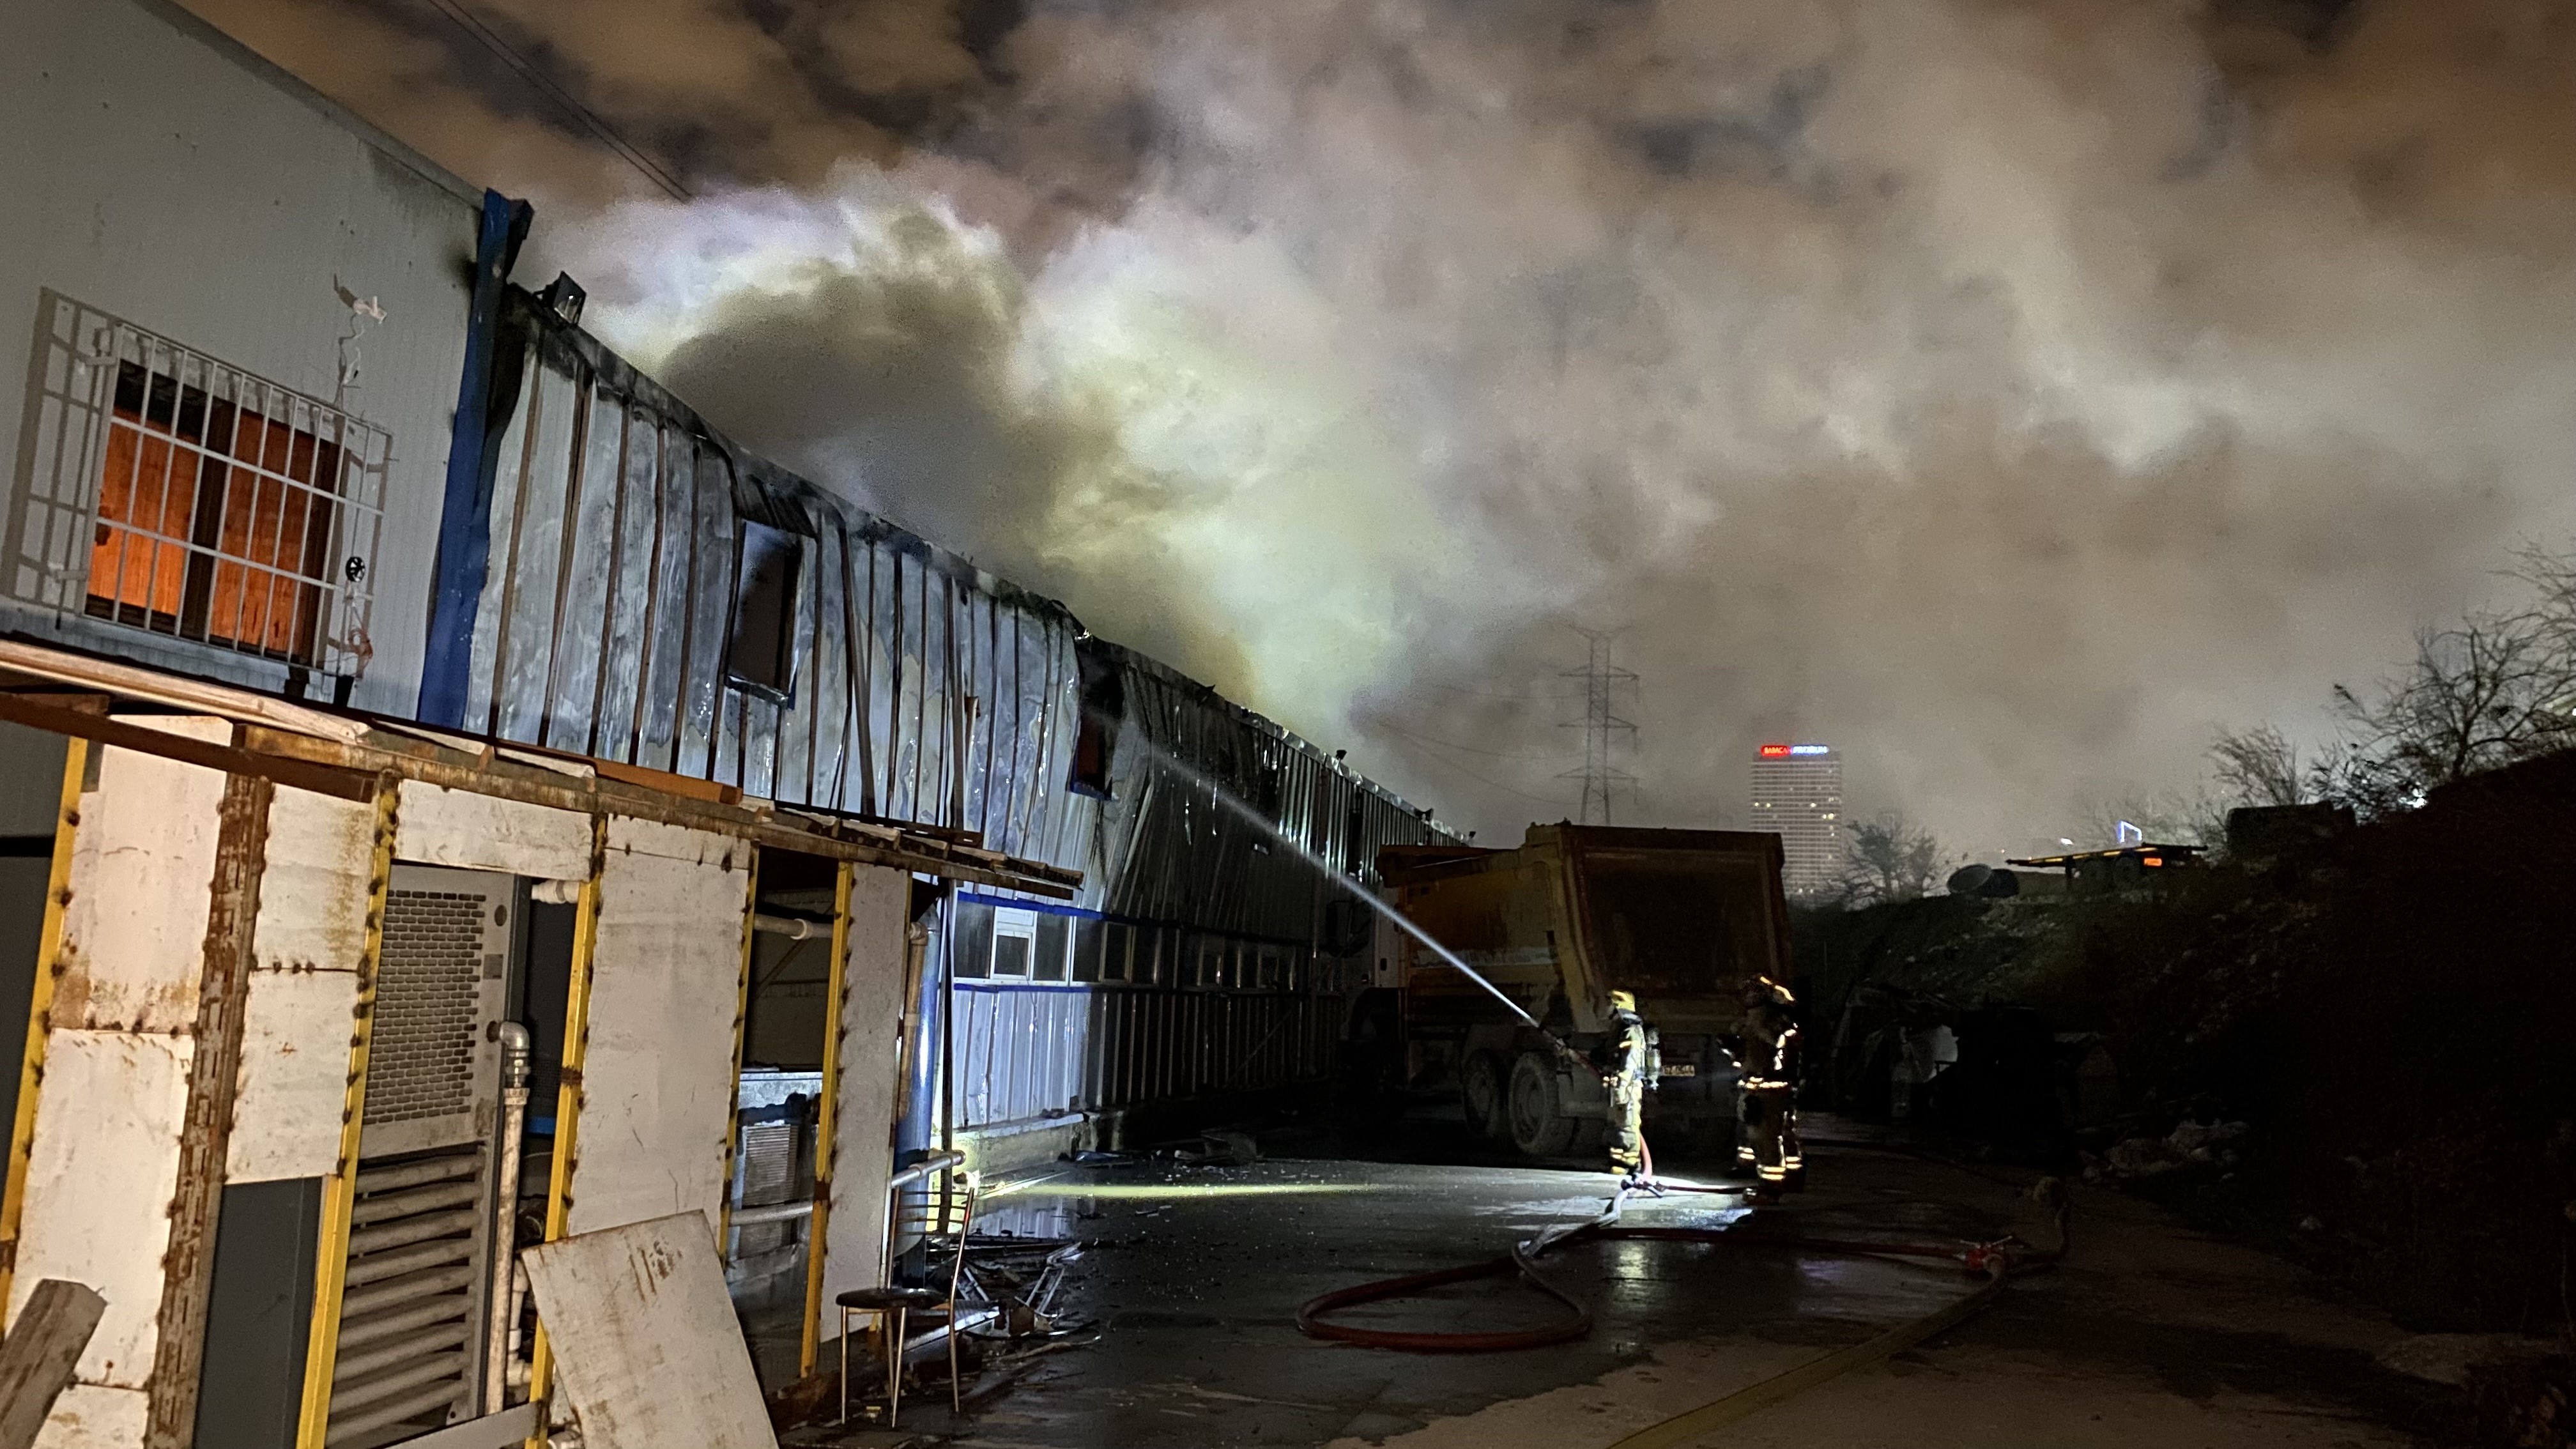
[{"x": 2011, "y": 392}]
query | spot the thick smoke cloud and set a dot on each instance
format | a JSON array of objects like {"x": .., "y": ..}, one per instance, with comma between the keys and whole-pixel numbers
[{"x": 2011, "y": 394}]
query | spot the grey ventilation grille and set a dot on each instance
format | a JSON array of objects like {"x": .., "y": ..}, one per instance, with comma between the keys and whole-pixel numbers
[
  {"x": 408, "y": 1315},
  {"x": 428, "y": 983}
]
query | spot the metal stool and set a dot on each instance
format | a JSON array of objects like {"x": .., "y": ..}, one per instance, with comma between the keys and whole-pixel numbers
[{"x": 892, "y": 1307}]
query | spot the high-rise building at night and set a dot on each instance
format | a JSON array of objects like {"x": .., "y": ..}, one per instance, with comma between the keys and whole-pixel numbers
[{"x": 1798, "y": 793}]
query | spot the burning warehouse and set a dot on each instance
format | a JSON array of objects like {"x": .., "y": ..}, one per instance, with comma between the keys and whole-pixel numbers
[{"x": 684, "y": 812}]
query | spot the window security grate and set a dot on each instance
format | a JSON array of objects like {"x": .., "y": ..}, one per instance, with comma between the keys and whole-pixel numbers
[{"x": 226, "y": 509}]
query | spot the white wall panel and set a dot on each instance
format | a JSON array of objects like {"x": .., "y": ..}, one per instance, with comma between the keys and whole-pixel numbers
[
  {"x": 91, "y": 1416},
  {"x": 871, "y": 1073},
  {"x": 658, "y": 1082},
  {"x": 440, "y": 826},
  {"x": 311, "y": 938},
  {"x": 104, "y": 1166},
  {"x": 294, "y": 1075},
  {"x": 134, "y": 935}
]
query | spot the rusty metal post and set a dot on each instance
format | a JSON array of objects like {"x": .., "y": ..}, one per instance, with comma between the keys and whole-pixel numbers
[{"x": 214, "y": 1076}]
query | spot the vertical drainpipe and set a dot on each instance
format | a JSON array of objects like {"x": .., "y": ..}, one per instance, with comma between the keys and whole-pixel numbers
[
  {"x": 465, "y": 519},
  {"x": 924, "y": 1103}
]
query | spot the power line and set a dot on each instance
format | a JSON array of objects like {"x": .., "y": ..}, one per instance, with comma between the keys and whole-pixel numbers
[
  {"x": 546, "y": 86},
  {"x": 1489, "y": 694},
  {"x": 1473, "y": 750},
  {"x": 1458, "y": 769},
  {"x": 1602, "y": 683}
]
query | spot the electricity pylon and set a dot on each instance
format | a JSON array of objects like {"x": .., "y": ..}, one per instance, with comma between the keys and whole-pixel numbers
[{"x": 1603, "y": 683}]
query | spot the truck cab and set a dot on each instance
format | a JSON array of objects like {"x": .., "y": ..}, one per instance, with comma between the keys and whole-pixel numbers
[{"x": 1683, "y": 919}]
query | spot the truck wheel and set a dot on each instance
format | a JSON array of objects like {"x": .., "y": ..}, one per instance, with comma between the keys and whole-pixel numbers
[
  {"x": 1540, "y": 1127},
  {"x": 1486, "y": 1089}
]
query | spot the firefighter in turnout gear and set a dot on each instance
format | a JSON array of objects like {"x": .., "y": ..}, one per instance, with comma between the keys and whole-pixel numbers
[
  {"x": 1767, "y": 1105},
  {"x": 1629, "y": 1074}
]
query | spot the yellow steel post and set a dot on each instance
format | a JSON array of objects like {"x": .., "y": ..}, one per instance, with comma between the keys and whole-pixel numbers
[
  {"x": 576, "y": 1048},
  {"x": 741, "y": 1016},
  {"x": 331, "y": 1257},
  {"x": 826, "y": 1121},
  {"x": 40, "y": 1006}
]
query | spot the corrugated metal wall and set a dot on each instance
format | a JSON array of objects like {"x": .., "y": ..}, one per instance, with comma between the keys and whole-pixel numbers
[{"x": 926, "y": 690}]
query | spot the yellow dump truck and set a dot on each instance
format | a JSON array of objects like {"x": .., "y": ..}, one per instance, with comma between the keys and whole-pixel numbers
[{"x": 1684, "y": 919}]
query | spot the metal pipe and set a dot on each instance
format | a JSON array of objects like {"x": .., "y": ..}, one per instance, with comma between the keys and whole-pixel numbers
[
  {"x": 515, "y": 1372},
  {"x": 794, "y": 928},
  {"x": 501, "y": 1326},
  {"x": 936, "y": 1162},
  {"x": 785, "y": 1212},
  {"x": 941, "y": 1162}
]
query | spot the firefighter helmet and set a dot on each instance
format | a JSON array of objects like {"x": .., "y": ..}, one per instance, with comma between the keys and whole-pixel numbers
[{"x": 1623, "y": 1001}]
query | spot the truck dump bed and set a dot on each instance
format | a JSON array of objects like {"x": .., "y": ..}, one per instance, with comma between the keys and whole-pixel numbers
[{"x": 1682, "y": 918}]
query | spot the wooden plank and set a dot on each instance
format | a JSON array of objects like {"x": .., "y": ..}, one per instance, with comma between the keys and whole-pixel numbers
[
  {"x": 907, "y": 852},
  {"x": 134, "y": 681},
  {"x": 214, "y": 1076},
  {"x": 47, "y": 713},
  {"x": 37, "y": 1358},
  {"x": 647, "y": 1345}
]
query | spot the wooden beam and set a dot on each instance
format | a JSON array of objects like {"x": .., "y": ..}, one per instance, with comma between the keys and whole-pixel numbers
[
  {"x": 214, "y": 1077},
  {"x": 347, "y": 771},
  {"x": 37, "y": 1360},
  {"x": 175, "y": 691},
  {"x": 44, "y": 712},
  {"x": 887, "y": 847}
]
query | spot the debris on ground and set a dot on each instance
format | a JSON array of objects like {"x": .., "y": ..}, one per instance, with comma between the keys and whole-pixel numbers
[{"x": 2190, "y": 1144}]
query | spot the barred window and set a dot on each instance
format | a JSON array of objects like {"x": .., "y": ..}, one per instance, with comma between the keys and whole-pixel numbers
[{"x": 229, "y": 510}]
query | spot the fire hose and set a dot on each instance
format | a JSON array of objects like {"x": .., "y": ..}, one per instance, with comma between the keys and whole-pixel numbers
[{"x": 1996, "y": 1263}]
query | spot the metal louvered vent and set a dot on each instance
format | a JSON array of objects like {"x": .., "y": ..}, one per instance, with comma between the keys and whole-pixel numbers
[
  {"x": 768, "y": 1162},
  {"x": 428, "y": 989},
  {"x": 408, "y": 1316},
  {"x": 768, "y": 1178}
]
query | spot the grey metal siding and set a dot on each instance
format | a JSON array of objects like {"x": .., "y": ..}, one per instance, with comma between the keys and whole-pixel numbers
[
  {"x": 162, "y": 175},
  {"x": 927, "y": 690}
]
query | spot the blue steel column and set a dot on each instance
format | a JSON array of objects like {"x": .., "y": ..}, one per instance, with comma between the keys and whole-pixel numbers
[{"x": 465, "y": 521}]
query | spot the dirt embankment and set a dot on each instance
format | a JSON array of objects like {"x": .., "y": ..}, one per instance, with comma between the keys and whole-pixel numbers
[{"x": 2392, "y": 1013}]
